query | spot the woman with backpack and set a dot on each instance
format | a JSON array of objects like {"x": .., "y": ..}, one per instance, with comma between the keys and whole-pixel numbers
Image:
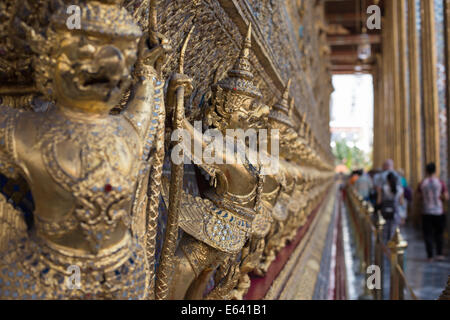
[{"x": 392, "y": 205}]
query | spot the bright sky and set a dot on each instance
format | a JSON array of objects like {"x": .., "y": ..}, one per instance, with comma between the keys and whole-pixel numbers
[{"x": 352, "y": 106}]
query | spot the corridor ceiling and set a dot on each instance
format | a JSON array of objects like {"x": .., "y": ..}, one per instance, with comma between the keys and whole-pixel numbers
[{"x": 346, "y": 19}]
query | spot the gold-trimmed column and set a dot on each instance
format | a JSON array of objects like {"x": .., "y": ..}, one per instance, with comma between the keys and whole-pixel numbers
[
  {"x": 403, "y": 112},
  {"x": 415, "y": 103},
  {"x": 384, "y": 109},
  {"x": 430, "y": 92},
  {"x": 447, "y": 69},
  {"x": 379, "y": 130},
  {"x": 392, "y": 110},
  {"x": 392, "y": 14},
  {"x": 381, "y": 144},
  {"x": 376, "y": 114},
  {"x": 386, "y": 118}
]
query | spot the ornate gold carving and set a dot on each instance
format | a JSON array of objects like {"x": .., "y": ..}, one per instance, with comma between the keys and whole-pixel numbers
[
  {"x": 90, "y": 160},
  {"x": 96, "y": 174}
]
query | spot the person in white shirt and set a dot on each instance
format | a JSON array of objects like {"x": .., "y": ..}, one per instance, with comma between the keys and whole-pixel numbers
[{"x": 433, "y": 192}]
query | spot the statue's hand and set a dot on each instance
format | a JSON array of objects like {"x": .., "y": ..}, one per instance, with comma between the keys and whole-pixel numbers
[
  {"x": 151, "y": 55},
  {"x": 180, "y": 80},
  {"x": 224, "y": 287},
  {"x": 176, "y": 81}
]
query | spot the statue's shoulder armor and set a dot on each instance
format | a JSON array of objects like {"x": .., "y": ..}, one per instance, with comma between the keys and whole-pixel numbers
[
  {"x": 8, "y": 151},
  {"x": 221, "y": 227}
]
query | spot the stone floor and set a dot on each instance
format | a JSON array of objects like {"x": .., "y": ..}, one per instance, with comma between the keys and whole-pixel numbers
[{"x": 427, "y": 279}]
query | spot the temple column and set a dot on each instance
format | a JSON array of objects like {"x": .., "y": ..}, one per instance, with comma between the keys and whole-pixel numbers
[
  {"x": 403, "y": 106},
  {"x": 382, "y": 147},
  {"x": 379, "y": 141},
  {"x": 386, "y": 134},
  {"x": 415, "y": 103},
  {"x": 447, "y": 68},
  {"x": 395, "y": 71},
  {"x": 384, "y": 106},
  {"x": 430, "y": 92},
  {"x": 376, "y": 115},
  {"x": 392, "y": 85}
]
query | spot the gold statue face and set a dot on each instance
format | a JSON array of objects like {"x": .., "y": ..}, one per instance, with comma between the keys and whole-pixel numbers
[
  {"x": 92, "y": 72},
  {"x": 239, "y": 115},
  {"x": 231, "y": 108}
]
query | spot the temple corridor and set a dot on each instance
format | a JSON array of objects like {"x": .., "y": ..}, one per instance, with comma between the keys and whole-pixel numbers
[
  {"x": 224, "y": 150},
  {"x": 390, "y": 133},
  {"x": 424, "y": 278}
]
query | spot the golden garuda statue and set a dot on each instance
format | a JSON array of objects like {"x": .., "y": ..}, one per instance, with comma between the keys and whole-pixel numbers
[
  {"x": 91, "y": 152},
  {"x": 87, "y": 170},
  {"x": 218, "y": 225}
]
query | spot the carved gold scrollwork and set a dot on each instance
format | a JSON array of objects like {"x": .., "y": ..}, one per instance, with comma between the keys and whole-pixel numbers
[{"x": 86, "y": 117}]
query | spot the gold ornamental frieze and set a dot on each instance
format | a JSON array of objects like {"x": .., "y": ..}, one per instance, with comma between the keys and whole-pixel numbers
[{"x": 88, "y": 114}]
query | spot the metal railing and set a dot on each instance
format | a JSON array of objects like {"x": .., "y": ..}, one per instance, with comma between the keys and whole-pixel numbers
[{"x": 367, "y": 226}]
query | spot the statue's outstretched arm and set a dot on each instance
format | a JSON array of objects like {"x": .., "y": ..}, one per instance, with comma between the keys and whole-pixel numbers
[{"x": 146, "y": 99}]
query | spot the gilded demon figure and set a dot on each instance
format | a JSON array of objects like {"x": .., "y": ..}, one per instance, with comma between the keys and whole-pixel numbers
[
  {"x": 87, "y": 169},
  {"x": 93, "y": 160}
]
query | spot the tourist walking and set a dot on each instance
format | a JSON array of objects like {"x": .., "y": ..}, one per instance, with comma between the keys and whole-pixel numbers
[
  {"x": 364, "y": 185},
  {"x": 391, "y": 203},
  {"x": 433, "y": 191}
]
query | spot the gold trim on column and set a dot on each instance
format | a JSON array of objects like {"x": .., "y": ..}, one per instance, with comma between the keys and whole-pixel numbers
[
  {"x": 379, "y": 142},
  {"x": 395, "y": 72},
  {"x": 403, "y": 91},
  {"x": 447, "y": 66},
  {"x": 447, "y": 69},
  {"x": 376, "y": 113},
  {"x": 387, "y": 93},
  {"x": 415, "y": 103},
  {"x": 430, "y": 94}
]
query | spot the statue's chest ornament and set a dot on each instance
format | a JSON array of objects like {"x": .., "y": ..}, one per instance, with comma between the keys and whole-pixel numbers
[{"x": 103, "y": 188}]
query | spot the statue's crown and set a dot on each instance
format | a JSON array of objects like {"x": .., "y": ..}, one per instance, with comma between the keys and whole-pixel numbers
[
  {"x": 282, "y": 110},
  {"x": 105, "y": 17},
  {"x": 240, "y": 77}
]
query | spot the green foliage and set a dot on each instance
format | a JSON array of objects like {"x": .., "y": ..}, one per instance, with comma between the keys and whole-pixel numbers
[{"x": 351, "y": 156}]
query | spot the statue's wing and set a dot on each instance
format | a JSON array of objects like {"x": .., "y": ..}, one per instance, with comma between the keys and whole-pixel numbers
[
  {"x": 220, "y": 228},
  {"x": 12, "y": 224},
  {"x": 192, "y": 209}
]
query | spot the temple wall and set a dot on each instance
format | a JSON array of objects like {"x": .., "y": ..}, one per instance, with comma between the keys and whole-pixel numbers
[{"x": 288, "y": 41}]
